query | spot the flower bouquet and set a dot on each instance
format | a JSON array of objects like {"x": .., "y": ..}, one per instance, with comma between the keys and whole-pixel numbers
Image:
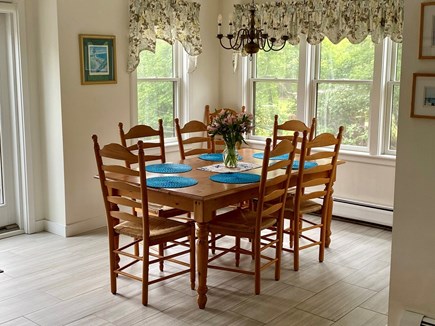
[{"x": 232, "y": 127}]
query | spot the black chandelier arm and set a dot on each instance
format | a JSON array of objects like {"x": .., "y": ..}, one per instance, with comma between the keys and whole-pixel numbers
[
  {"x": 251, "y": 39},
  {"x": 235, "y": 42},
  {"x": 268, "y": 45}
]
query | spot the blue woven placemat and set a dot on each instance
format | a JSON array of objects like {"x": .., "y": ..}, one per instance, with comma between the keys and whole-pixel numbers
[
  {"x": 278, "y": 158},
  {"x": 235, "y": 178},
  {"x": 171, "y": 182},
  {"x": 215, "y": 157},
  {"x": 168, "y": 168},
  {"x": 307, "y": 165}
]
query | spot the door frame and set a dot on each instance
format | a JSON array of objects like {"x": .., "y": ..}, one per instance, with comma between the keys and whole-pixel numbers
[{"x": 19, "y": 105}]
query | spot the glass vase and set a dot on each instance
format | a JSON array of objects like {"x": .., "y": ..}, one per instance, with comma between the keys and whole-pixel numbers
[{"x": 230, "y": 155}]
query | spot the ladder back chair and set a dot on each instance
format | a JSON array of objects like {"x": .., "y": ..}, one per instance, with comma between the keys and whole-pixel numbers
[
  {"x": 148, "y": 135},
  {"x": 248, "y": 223},
  {"x": 313, "y": 194},
  {"x": 197, "y": 137},
  {"x": 122, "y": 193},
  {"x": 286, "y": 130},
  {"x": 152, "y": 139}
]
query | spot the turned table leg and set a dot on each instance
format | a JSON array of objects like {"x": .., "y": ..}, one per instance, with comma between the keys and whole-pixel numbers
[{"x": 202, "y": 259}]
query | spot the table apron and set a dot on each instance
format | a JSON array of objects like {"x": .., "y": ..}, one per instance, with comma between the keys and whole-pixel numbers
[{"x": 203, "y": 209}]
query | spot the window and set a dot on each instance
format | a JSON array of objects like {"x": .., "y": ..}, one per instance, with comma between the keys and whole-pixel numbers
[
  {"x": 343, "y": 84},
  {"x": 274, "y": 87},
  {"x": 159, "y": 86},
  {"x": 354, "y": 85},
  {"x": 392, "y": 99}
]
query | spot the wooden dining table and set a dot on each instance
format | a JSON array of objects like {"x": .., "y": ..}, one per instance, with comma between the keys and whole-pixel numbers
[{"x": 203, "y": 199}]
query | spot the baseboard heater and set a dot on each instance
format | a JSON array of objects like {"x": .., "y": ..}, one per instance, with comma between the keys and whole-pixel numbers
[
  {"x": 361, "y": 211},
  {"x": 411, "y": 318}
]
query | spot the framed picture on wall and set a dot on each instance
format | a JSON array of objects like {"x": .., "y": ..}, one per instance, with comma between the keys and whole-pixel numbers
[
  {"x": 427, "y": 31},
  {"x": 97, "y": 59},
  {"x": 423, "y": 96}
]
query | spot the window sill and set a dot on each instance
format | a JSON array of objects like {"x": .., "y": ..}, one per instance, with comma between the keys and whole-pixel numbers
[{"x": 348, "y": 156}]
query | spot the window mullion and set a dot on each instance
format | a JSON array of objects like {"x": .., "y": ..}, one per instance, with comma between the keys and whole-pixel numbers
[{"x": 377, "y": 100}]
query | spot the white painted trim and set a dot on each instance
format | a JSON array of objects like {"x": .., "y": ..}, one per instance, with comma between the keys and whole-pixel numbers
[
  {"x": 18, "y": 94},
  {"x": 75, "y": 228},
  {"x": 362, "y": 213}
]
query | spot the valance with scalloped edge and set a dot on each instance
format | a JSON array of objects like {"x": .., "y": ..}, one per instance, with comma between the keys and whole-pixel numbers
[
  {"x": 334, "y": 19},
  {"x": 168, "y": 20}
]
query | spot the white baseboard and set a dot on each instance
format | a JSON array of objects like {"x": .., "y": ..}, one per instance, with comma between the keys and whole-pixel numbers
[
  {"x": 75, "y": 228},
  {"x": 363, "y": 213}
]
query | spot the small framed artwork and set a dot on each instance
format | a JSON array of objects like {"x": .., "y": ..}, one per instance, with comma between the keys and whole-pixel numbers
[
  {"x": 97, "y": 59},
  {"x": 427, "y": 31},
  {"x": 423, "y": 96}
]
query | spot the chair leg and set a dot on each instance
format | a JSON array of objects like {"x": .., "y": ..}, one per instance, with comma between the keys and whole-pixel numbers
[
  {"x": 213, "y": 243},
  {"x": 278, "y": 249},
  {"x": 257, "y": 254},
  {"x": 322, "y": 237},
  {"x": 145, "y": 274},
  {"x": 296, "y": 244},
  {"x": 136, "y": 247},
  {"x": 161, "y": 254},
  {"x": 237, "y": 251},
  {"x": 114, "y": 261},
  {"x": 192, "y": 259}
]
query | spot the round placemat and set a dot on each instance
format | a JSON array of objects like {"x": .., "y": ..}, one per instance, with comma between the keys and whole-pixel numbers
[
  {"x": 307, "y": 165},
  {"x": 171, "y": 182},
  {"x": 235, "y": 177},
  {"x": 277, "y": 158},
  {"x": 168, "y": 168},
  {"x": 215, "y": 157}
]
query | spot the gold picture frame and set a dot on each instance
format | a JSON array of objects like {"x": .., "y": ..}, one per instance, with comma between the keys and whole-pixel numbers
[{"x": 97, "y": 59}]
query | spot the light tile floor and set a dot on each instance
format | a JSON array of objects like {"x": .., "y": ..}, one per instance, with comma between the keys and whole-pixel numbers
[{"x": 50, "y": 280}]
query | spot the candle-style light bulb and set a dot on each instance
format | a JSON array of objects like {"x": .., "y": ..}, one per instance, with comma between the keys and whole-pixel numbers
[{"x": 219, "y": 20}]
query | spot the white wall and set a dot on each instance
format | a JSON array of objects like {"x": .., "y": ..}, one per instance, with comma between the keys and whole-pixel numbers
[
  {"x": 413, "y": 261},
  {"x": 50, "y": 127},
  {"x": 70, "y": 112}
]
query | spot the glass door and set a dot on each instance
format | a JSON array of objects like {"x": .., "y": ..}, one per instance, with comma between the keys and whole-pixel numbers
[{"x": 8, "y": 158}]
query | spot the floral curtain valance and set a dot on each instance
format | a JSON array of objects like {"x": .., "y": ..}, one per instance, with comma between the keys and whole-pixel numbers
[
  {"x": 168, "y": 20},
  {"x": 335, "y": 19}
]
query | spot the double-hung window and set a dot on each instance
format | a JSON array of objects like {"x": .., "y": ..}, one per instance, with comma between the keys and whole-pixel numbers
[
  {"x": 159, "y": 86},
  {"x": 343, "y": 90},
  {"x": 274, "y": 87},
  {"x": 354, "y": 85},
  {"x": 392, "y": 91}
]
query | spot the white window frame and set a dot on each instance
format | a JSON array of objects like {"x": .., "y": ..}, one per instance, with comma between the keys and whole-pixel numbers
[
  {"x": 180, "y": 82},
  {"x": 309, "y": 69}
]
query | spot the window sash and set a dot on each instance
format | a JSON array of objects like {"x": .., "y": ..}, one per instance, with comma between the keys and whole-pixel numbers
[
  {"x": 380, "y": 97},
  {"x": 180, "y": 102}
]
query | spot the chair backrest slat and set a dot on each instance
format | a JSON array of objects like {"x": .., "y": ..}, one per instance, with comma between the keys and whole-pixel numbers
[
  {"x": 286, "y": 130},
  {"x": 274, "y": 183},
  {"x": 203, "y": 143},
  {"x": 151, "y": 139},
  {"x": 121, "y": 197},
  {"x": 317, "y": 182}
]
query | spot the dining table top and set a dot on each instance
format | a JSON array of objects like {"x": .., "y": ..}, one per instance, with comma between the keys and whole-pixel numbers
[{"x": 206, "y": 188}]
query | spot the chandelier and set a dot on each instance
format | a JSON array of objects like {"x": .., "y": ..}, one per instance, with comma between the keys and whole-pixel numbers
[{"x": 250, "y": 38}]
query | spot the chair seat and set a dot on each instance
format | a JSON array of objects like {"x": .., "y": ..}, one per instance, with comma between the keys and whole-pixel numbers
[
  {"x": 159, "y": 228},
  {"x": 238, "y": 221},
  {"x": 307, "y": 207}
]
